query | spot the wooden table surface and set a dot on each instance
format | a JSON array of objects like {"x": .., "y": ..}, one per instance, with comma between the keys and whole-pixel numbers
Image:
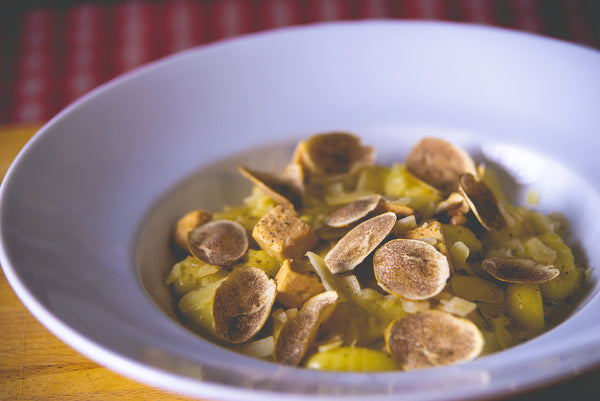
[{"x": 35, "y": 365}]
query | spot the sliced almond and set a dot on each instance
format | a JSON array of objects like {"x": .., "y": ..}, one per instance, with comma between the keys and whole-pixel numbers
[
  {"x": 412, "y": 269},
  {"x": 353, "y": 212},
  {"x": 242, "y": 304},
  {"x": 334, "y": 154},
  {"x": 220, "y": 242},
  {"x": 433, "y": 338},
  {"x": 439, "y": 163},
  {"x": 482, "y": 202},
  {"x": 517, "y": 270},
  {"x": 355, "y": 246},
  {"x": 187, "y": 223},
  {"x": 286, "y": 188},
  {"x": 453, "y": 204},
  {"x": 298, "y": 333},
  {"x": 398, "y": 207}
]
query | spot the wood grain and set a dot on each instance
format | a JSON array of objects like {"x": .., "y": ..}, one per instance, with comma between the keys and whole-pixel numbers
[{"x": 35, "y": 365}]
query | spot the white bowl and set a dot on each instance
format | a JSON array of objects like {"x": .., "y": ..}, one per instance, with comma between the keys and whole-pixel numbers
[{"x": 87, "y": 207}]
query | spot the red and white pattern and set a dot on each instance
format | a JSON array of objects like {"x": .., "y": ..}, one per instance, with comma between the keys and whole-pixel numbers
[{"x": 52, "y": 52}]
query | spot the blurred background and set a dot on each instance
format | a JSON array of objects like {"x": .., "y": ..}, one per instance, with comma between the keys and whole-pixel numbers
[{"x": 53, "y": 52}]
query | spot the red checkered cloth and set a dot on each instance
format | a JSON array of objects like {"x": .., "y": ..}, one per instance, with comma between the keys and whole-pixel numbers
[{"x": 52, "y": 52}]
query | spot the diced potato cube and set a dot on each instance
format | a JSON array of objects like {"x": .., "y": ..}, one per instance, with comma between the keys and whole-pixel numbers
[
  {"x": 524, "y": 305},
  {"x": 296, "y": 283},
  {"x": 458, "y": 306},
  {"x": 453, "y": 234},
  {"x": 263, "y": 260},
  {"x": 284, "y": 235},
  {"x": 459, "y": 254},
  {"x": 476, "y": 289},
  {"x": 196, "y": 306},
  {"x": 540, "y": 252},
  {"x": 191, "y": 273},
  {"x": 560, "y": 287}
]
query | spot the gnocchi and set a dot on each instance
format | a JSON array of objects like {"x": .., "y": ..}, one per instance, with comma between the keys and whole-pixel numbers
[{"x": 347, "y": 265}]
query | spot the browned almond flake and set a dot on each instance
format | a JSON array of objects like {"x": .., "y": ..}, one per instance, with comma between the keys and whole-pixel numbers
[
  {"x": 220, "y": 242},
  {"x": 353, "y": 212},
  {"x": 433, "y": 338},
  {"x": 286, "y": 189},
  {"x": 482, "y": 202},
  {"x": 439, "y": 163},
  {"x": 187, "y": 223},
  {"x": 298, "y": 334},
  {"x": 518, "y": 270},
  {"x": 412, "y": 269},
  {"x": 359, "y": 242},
  {"x": 334, "y": 154},
  {"x": 242, "y": 304},
  {"x": 453, "y": 204},
  {"x": 400, "y": 209}
]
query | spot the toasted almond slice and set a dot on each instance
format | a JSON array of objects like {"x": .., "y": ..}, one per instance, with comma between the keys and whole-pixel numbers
[
  {"x": 187, "y": 223},
  {"x": 517, "y": 270},
  {"x": 220, "y": 242},
  {"x": 412, "y": 269},
  {"x": 482, "y": 202},
  {"x": 454, "y": 203},
  {"x": 286, "y": 188},
  {"x": 355, "y": 246},
  {"x": 334, "y": 154},
  {"x": 398, "y": 207},
  {"x": 439, "y": 163},
  {"x": 298, "y": 333},
  {"x": 353, "y": 212},
  {"x": 242, "y": 304},
  {"x": 433, "y": 338}
]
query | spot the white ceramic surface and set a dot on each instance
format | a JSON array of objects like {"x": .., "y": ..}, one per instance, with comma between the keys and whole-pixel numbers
[{"x": 87, "y": 207}]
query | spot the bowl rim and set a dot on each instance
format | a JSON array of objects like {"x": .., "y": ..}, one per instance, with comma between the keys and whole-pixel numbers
[{"x": 171, "y": 381}]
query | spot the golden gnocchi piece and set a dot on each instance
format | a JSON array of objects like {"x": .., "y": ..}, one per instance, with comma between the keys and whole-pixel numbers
[
  {"x": 334, "y": 154},
  {"x": 352, "y": 359},
  {"x": 286, "y": 188},
  {"x": 482, "y": 202},
  {"x": 518, "y": 270},
  {"x": 439, "y": 163},
  {"x": 220, "y": 242},
  {"x": 284, "y": 235},
  {"x": 298, "y": 333},
  {"x": 242, "y": 304},
  {"x": 296, "y": 282},
  {"x": 359, "y": 242},
  {"x": 433, "y": 338},
  {"x": 411, "y": 269},
  {"x": 402, "y": 262}
]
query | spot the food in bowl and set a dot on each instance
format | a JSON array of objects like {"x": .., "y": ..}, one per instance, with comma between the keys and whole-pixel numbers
[{"x": 338, "y": 263}]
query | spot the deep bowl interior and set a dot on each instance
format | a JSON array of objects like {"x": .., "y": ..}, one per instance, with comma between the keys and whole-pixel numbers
[{"x": 87, "y": 207}]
